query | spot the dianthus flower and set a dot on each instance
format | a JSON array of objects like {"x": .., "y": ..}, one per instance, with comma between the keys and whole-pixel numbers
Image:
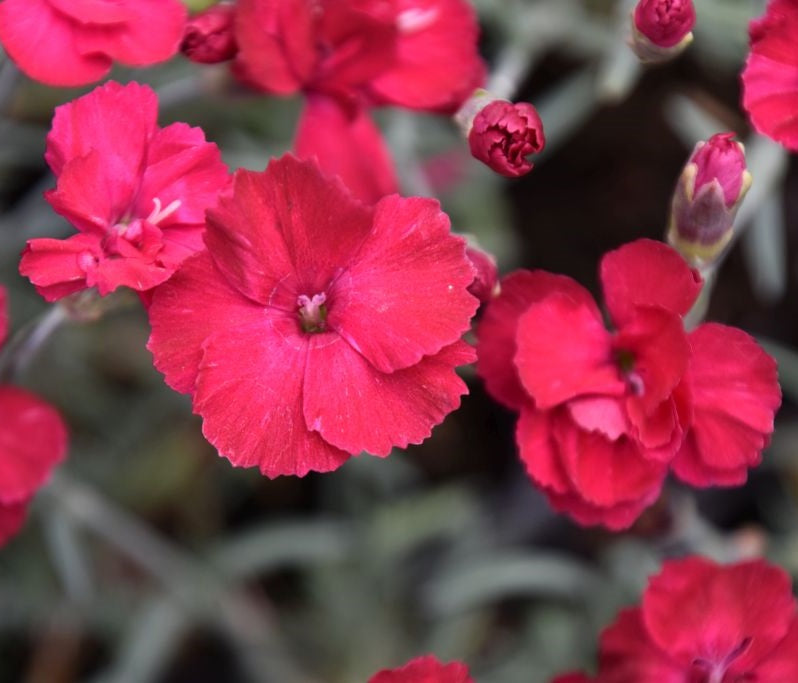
[
  {"x": 350, "y": 55},
  {"x": 316, "y": 327},
  {"x": 701, "y": 622},
  {"x": 770, "y": 76},
  {"x": 136, "y": 193},
  {"x": 425, "y": 669},
  {"x": 33, "y": 439},
  {"x": 71, "y": 42},
  {"x": 604, "y": 413}
]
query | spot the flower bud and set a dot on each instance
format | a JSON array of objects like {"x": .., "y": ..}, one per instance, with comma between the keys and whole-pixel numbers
[
  {"x": 486, "y": 279},
  {"x": 208, "y": 37},
  {"x": 661, "y": 29},
  {"x": 708, "y": 193},
  {"x": 500, "y": 133}
]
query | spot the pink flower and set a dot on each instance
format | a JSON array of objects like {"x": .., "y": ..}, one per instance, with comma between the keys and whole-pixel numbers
[
  {"x": 348, "y": 56},
  {"x": 74, "y": 42},
  {"x": 708, "y": 193},
  {"x": 770, "y": 77},
  {"x": 425, "y": 669},
  {"x": 701, "y": 622},
  {"x": 661, "y": 29},
  {"x": 503, "y": 134},
  {"x": 486, "y": 283},
  {"x": 316, "y": 327},
  {"x": 208, "y": 37},
  {"x": 33, "y": 439},
  {"x": 603, "y": 413},
  {"x": 136, "y": 193}
]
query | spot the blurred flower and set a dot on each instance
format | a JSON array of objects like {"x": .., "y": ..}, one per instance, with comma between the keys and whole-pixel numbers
[
  {"x": 208, "y": 37},
  {"x": 349, "y": 56},
  {"x": 316, "y": 327},
  {"x": 661, "y": 29},
  {"x": 770, "y": 76},
  {"x": 136, "y": 193},
  {"x": 424, "y": 670},
  {"x": 486, "y": 283},
  {"x": 33, "y": 440},
  {"x": 703, "y": 622},
  {"x": 604, "y": 413},
  {"x": 708, "y": 193},
  {"x": 68, "y": 43},
  {"x": 502, "y": 134}
]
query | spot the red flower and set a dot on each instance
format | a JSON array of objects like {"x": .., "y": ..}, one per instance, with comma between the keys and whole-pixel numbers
[
  {"x": 74, "y": 42},
  {"x": 349, "y": 55},
  {"x": 701, "y": 622},
  {"x": 770, "y": 77},
  {"x": 503, "y": 134},
  {"x": 603, "y": 413},
  {"x": 424, "y": 670},
  {"x": 33, "y": 440},
  {"x": 208, "y": 37},
  {"x": 316, "y": 327},
  {"x": 136, "y": 193}
]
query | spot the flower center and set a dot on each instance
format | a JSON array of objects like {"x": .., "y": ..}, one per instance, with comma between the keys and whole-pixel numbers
[
  {"x": 414, "y": 20},
  {"x": 704, "y": 671},
  {"x": 312, "y": 312},
  {"x": 626, "y": 364}
]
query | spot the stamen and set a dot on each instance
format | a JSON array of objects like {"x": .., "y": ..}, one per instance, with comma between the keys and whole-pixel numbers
[
  {"x": 312, "y": 312},
  {"x": 413, "y": 20},
  {"x": 158, "y": 214}
]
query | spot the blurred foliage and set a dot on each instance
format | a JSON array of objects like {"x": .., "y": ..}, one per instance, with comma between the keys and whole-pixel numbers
[{"x": 150, "y": 559}]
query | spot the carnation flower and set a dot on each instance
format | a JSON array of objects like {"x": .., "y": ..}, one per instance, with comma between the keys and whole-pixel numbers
[
  {"x": 770, "y": 77},
  {"x": 136, "y": 193},
  {"x": 68, "y": 43},
  {"x": 33, "y": 439},
  {"x": 705, "y": 623},
  {"x": 348, "y": 56},
  {"x": 316, "y": 327},
  {"x": 603, "y": 413},
  {"x": 424, "y": 670}
]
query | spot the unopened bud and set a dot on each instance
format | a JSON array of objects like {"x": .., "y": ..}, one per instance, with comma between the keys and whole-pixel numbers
[
  {"x": 486, "y": 279},
  {"x": 500, "y": 133},
  {"x": 208, "y": 37},
  {"x": 661, "y": 29},
  {"x": 708, "y": 193}
]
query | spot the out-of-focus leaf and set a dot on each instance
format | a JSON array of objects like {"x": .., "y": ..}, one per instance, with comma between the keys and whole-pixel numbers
[
  {"x": 788, "y": 366},
  {"x": 764, "y": 246}
]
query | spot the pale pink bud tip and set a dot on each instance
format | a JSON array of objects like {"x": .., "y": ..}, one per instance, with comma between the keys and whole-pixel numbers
[
  {"x": 486, "y": 280},
  {"x": 208, "y": 37},
  {"x": 503, "y": 134}
]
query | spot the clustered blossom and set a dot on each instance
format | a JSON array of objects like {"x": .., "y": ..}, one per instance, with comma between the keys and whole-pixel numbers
[
  {"x": 425, "y": 669},
  {"x": 33, "y": 440},
  {"x": 348, "y": 57},
  {"x": 136, "y": 193},
  {"x": 661, "y": 29},
  {"x": 70, "y": 42},
  {"x": 770, "y": 77},
  {"x": 316, "y": 327},
  {"x": 604, "y": 414},
  {"x": 701, "y": 622},
  {"x": 708, "y": 193}
]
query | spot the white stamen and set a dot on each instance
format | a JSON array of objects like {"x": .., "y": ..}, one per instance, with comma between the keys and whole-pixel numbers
[
  {"x": 413, "y": 20},
  {"x": 158, "y": 214}
]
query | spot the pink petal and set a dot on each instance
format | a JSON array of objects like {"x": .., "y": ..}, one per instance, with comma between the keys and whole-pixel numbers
[
  {"x": 249, "y": 394},
  {"x": 43, "y": 43},
  {"x": 348, "y": 145},
  {"x": 600, "y": 414},
  {"x": 425, "y": 669},
  {"x": 437, "y": 64},
  {"x": 276, "y": 43},
  {"x": 12, "y": 518},
  {"x": 690, "y": 467},
  {"x": 289, "y": 220},
  {"x": 647, "y": 273},
  {"x": 614, "y": 517},
  {"x": 781, "y": 664},
  {"x": 357, "y": 408},
  {"x": 696, "y": 609},
  {"x": 404, "y": 294},
  {"x": 564, "y": 351},
  {"x": 59, "y": 267},
  {"x": 770, "y": 96},
  {"x": 538, "y": 450},
  {"x": 114, "y": 120},
  {"x": 33, "y": 439},
  {"x": 496, "y": 330}
]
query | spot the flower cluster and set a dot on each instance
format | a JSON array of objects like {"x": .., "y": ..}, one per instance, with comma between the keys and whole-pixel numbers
[
  {"x": 316, "y": 327},
  {"x": 604, "y": 414},
  {"x": 704, "y": 623},
  {"x": 33, "y": 440},
  {"x": 136, "y": 193}
]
